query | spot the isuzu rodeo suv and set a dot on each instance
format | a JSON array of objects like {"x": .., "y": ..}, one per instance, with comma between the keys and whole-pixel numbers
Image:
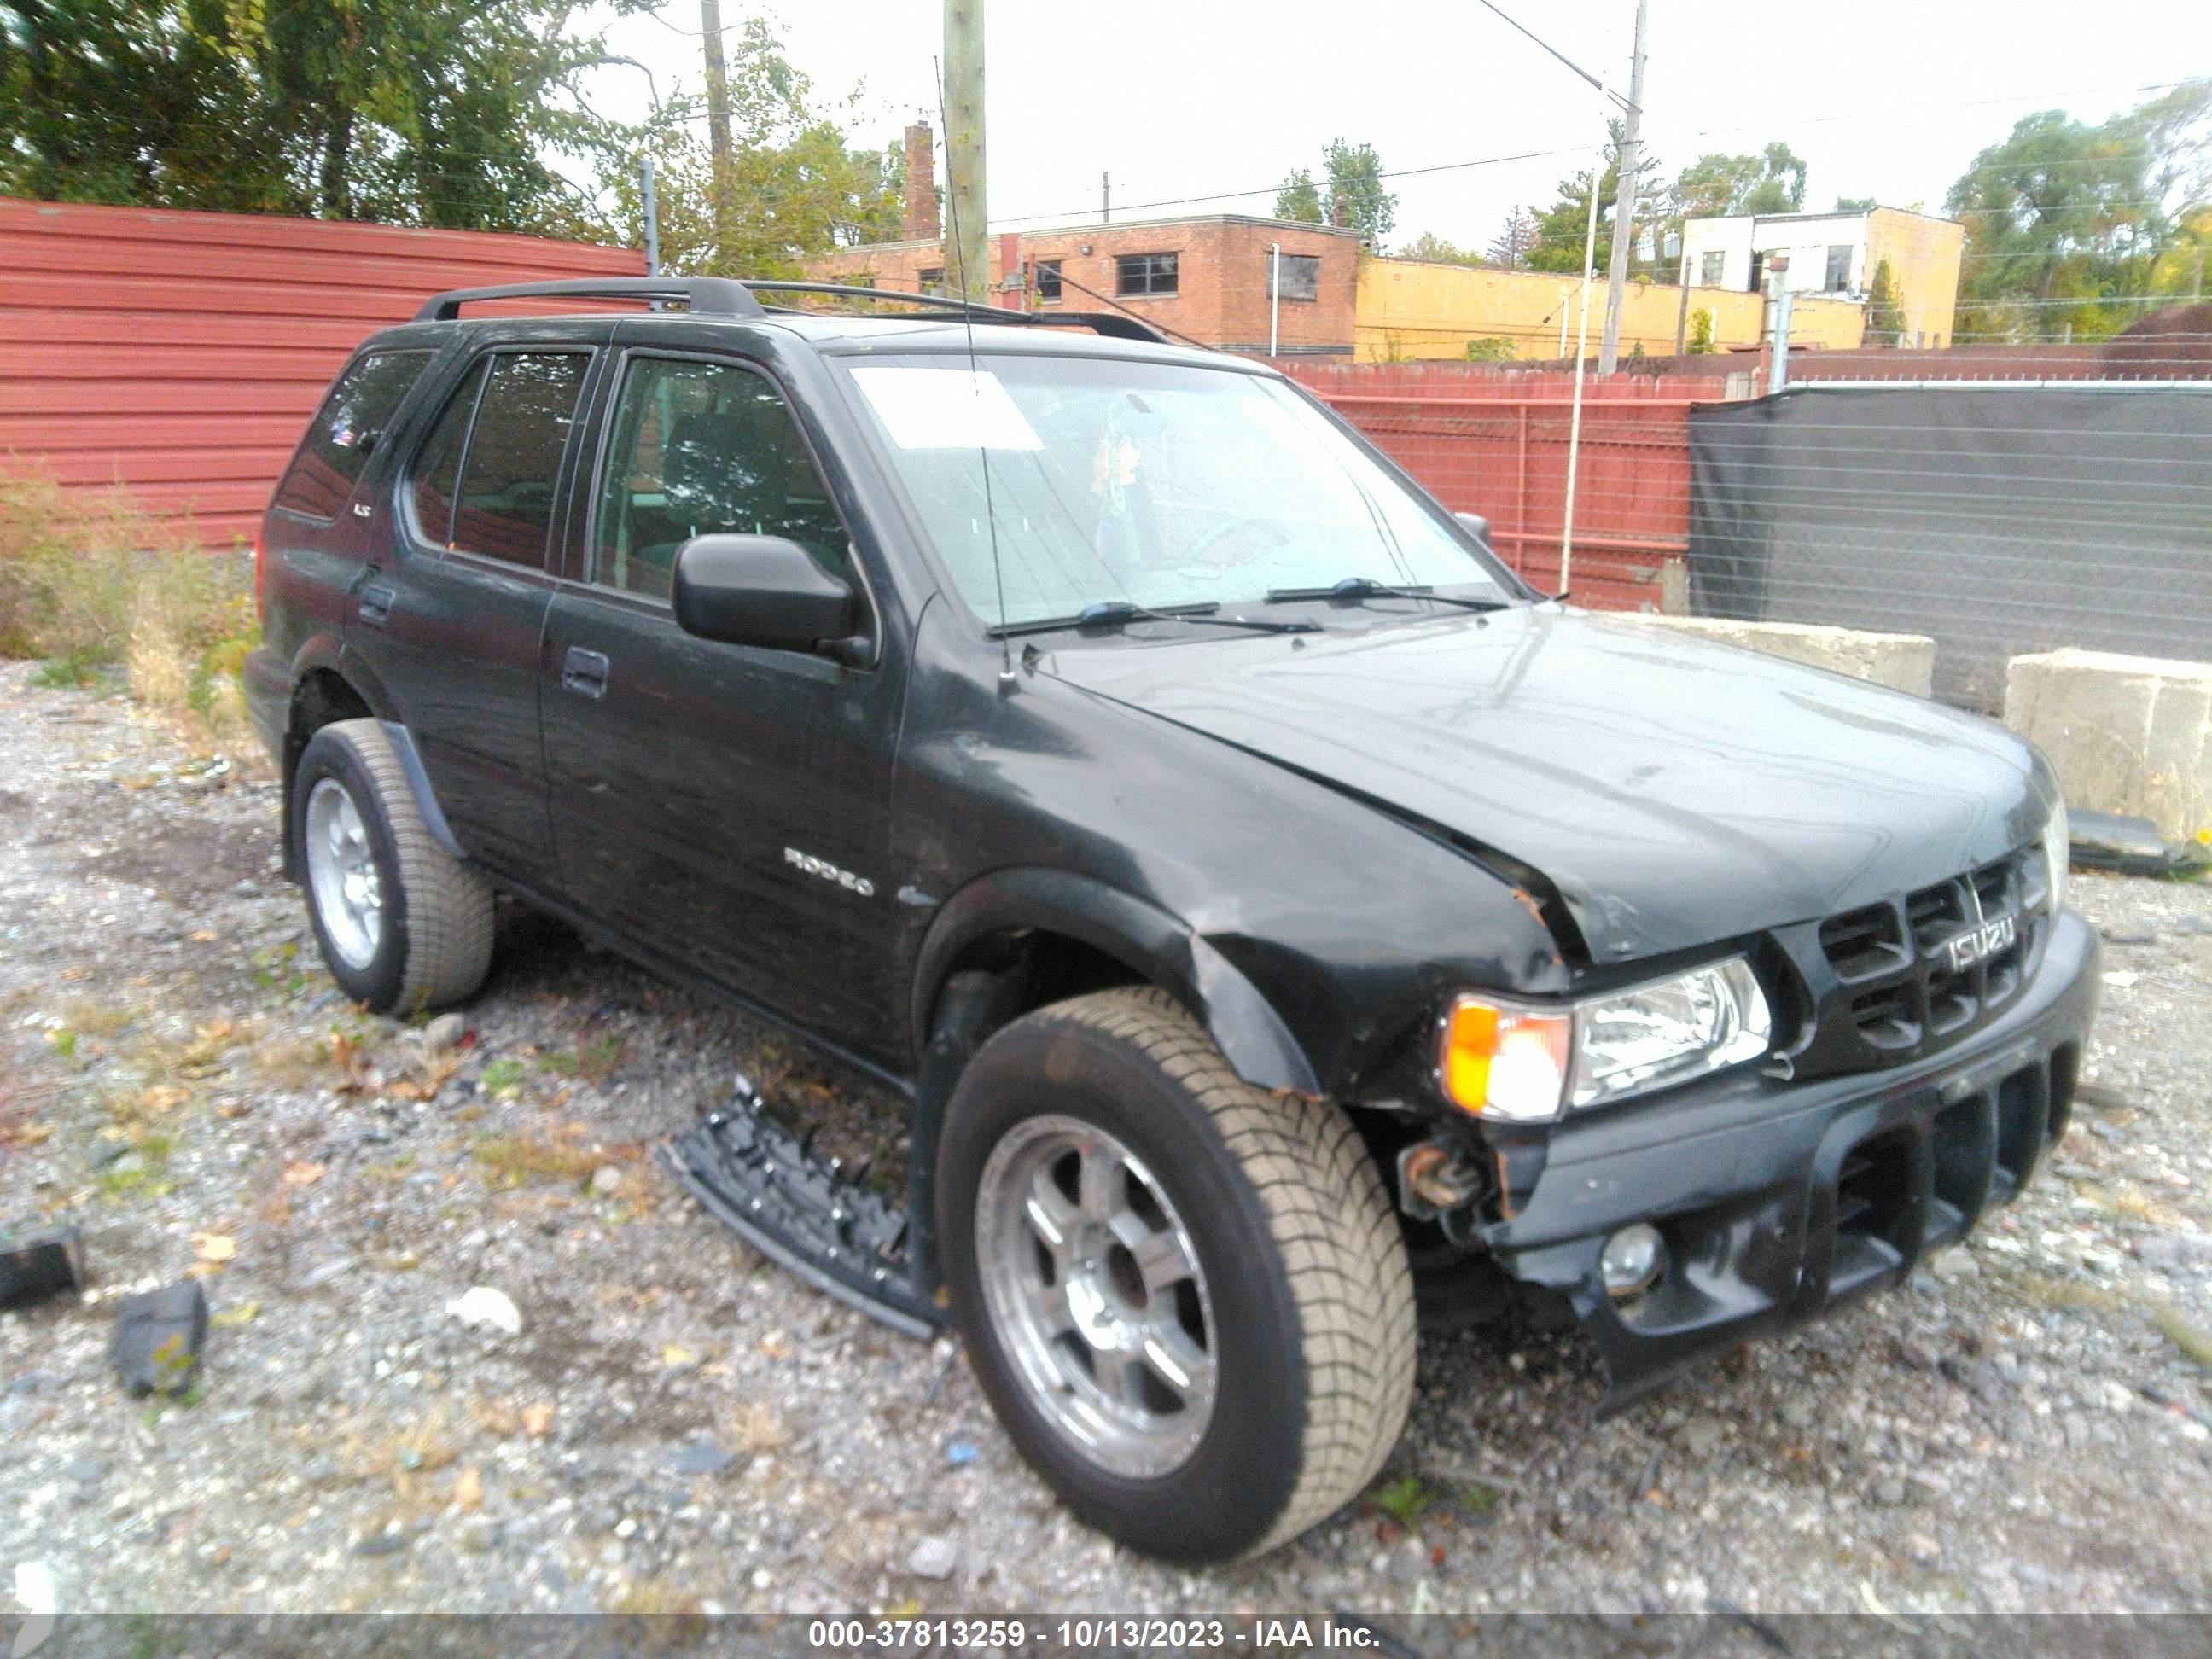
[{"x": 1278, "y": 917}]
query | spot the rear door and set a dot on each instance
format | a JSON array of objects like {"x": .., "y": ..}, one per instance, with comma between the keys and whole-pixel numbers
[
  {"x": 314, "y": 532},
  {"x": 725, "y": 806},
  {"x": 453, "y": 627}
]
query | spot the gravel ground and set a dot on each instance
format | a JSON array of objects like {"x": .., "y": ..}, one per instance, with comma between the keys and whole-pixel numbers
[{"x": 2022, "y": 1428}]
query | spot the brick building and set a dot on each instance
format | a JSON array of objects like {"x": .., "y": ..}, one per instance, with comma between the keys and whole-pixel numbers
[{"x": 1206, "y": 278}]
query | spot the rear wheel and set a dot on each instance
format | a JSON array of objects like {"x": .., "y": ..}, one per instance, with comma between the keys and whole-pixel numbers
[
  {"x": 402, "y": 923},
  {"x": 1187, "y": 1298}
]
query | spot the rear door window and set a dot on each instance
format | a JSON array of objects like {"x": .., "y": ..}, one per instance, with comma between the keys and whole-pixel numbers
[
  {"x": 438, "y": 467},
  {"x": 344, "y": 431},
  {"x": 511, "y": 473}
]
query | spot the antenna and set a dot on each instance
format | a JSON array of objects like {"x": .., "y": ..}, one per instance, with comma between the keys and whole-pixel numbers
[{"x": 1007, "y": 681}]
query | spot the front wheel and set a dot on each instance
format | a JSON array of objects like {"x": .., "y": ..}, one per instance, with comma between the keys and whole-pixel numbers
[{"x": 1187, "y": 1298}]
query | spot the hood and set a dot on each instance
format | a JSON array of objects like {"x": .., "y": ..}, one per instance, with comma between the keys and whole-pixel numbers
[{"x": 1675, "y": 791}]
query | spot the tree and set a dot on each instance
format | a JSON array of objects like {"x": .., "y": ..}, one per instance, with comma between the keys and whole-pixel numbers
[
  {"x": 1516, "y": 238},
  {"x": 446, "y": 112},
  {"x": 1351, "y": 183},
  {"x": 1561, "y": 227},
  {"x": 1701, "y": 331},
  {"x": 1885, "y": 323},
  {"x": 1355, "y": 186},
  {"x": 1299, "y": 198},
  {"x": 800, "y": 190},
  {"x": 1855, "y": 204},
  {"x": 1716, "y": 186},
  {"x": 2063, "y": 219},
  {"x": 1430, "y": 247}
]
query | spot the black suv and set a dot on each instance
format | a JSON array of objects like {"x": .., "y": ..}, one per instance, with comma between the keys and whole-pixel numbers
[{"x": 1278, "y": 916}]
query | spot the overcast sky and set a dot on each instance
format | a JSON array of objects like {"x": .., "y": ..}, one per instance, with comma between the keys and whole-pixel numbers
[{"x": 1183, "y": 98}]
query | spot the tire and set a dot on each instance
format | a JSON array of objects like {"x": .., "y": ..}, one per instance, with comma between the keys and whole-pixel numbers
[
  {"x": 414, "y": 929},
  {"x": 1303, "y": 1301}
]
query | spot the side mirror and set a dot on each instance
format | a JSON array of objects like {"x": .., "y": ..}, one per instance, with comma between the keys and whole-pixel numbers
[
  {"x": 1477, "y": 526},
  {"x": 763, "y": 591}
]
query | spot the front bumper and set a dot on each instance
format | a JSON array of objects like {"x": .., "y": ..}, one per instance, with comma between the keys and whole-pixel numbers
[{"x": 1778, "y": 1201}]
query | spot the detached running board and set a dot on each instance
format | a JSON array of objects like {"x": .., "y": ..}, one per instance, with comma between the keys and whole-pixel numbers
[{"x": 802, "y": 1210}]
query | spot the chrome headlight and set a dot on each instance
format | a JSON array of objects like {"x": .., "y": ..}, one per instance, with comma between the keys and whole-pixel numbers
[
  {"x": 2057, "y": 838},
  {"x": 1527, "y": 1064}
]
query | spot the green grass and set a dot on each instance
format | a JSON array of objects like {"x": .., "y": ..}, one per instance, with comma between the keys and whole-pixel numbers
[{"x": 1404, "y": 1500}]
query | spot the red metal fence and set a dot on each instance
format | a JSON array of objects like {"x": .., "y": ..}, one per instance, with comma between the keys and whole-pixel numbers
[
  {"x": 180, "y": 354},
  {"x": 1495, "y": 443}
]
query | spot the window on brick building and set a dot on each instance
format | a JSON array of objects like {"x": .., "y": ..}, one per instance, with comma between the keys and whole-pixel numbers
[
  {"x": 1708, "y": 268},
  {"x": 932, "y": 279},
  {"x": 1144, "y": 273},
  {"x": 1048, "y": 279},
  {"x": 1301, "y": 275},
  {"x": 1839, "y": 268}
]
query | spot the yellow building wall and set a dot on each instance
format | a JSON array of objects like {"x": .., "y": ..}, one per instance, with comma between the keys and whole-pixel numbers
[
  {"x": 1829, "y": 325},
  {"x": 1924, "y": 255},
  {"x": 1410, "y": 309}
]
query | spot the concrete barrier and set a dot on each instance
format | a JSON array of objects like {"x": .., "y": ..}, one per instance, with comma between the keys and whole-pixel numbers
[
  {"x": 1904, "y": 662},
  {"x": 2125, "y": 734}
]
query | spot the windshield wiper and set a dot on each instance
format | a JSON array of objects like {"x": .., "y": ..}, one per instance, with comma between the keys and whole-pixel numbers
[
  {"x": 1116, "y": 613},
  {"x": 1366, "y": 587}
]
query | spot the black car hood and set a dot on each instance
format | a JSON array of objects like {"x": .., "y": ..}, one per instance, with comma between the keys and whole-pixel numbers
[{"x": 1675, "y": 792}]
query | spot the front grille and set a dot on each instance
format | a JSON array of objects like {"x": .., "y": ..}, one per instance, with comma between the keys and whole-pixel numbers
[{"x": 1885, "y": 986}]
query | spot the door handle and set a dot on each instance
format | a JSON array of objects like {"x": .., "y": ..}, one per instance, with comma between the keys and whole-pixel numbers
[
  {"x": 376, "y": 604},
  {"x": 584, "y": 672}
]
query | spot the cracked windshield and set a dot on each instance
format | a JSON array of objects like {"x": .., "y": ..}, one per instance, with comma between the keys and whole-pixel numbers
[{"x": 1151, "y": 484}]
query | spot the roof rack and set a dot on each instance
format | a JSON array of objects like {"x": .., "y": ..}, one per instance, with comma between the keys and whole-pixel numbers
[
  {"x": 705, "y": 296},
  {"x": 729, "y": 296},
  {"x": 1100, "y": 322}
]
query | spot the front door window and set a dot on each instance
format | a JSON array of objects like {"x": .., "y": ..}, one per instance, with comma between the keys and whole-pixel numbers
[{"x": 702, "y": 448}]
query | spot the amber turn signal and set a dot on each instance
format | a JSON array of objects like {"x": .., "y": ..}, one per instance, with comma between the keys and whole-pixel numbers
[{"x": 1506, "y": 1062}]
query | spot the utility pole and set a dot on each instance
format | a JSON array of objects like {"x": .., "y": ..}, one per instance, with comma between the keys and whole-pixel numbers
[
  {"x": 969, "y": 268},
  {"x": 1777, "y": 366},
  {"x": 718, "y": 134},
  {"x": 652, "y": 220},
  {"x": 1624, "y": 210},
  {"x": 1105, "y": 198},
  {"x": 1582, "y": 361},
  {"x": 1274, "y": 296},
  {"x": 1682, "y": 311}
]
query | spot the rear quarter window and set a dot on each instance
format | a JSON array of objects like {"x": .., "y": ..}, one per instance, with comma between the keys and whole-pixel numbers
[{"x": 344, "y": 431}]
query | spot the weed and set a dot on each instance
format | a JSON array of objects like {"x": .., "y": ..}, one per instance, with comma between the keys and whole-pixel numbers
[
  {"x": 1404, "y": 1500},
  {"x": 89, "y": 1017},
  {"x": 143, "y": 1171},
  {"x": 515, "y": 1159},
  {"x": 92, "y": 583},
  {"x": 64, "y": 1043},
  {"x": 757, "y": 1431},
  {"x": 2191, "y": 1339},
  {"x": 502, "y": 1079},
  {"x": 277, "y": 970},
  {"x": 1480, "y": 1501},
  {"x": 73, "y": 671},
  {"x": 2061, "y": 1293},
  {"x": 594, "y": 1060},
  {"x": 660, "y": 1599}
]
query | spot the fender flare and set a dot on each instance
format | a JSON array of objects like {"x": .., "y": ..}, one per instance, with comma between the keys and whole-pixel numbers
[
  {"x": 955, "y": 1012},
  {"x": 1134, "y": 932},
  {"x": 418, "y": 783},
  {"x": 324, "y": 654}
]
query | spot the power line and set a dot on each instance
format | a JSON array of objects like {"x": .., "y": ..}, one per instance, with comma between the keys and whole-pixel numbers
[
  {"x": 1270, "y": 189},
  {"x": 1547, "y": 47}
]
